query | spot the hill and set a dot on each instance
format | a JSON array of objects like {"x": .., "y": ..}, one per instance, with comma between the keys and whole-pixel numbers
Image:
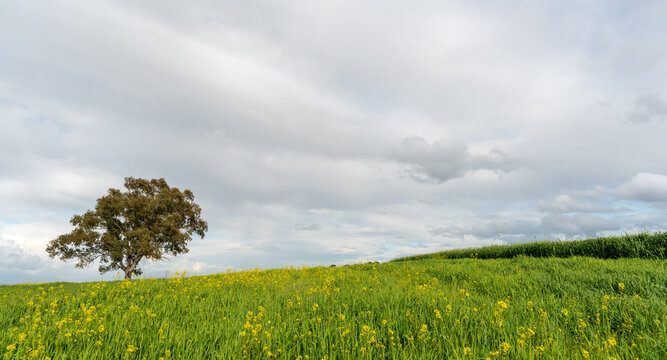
[{"x": 429, "y": 309}]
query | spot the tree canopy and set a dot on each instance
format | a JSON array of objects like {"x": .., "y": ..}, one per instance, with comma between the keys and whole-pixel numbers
[{"x": 148, "y": 221}]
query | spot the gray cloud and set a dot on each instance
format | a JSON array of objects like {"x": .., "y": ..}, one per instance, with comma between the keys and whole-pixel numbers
[
  {"x": 498, "y": 229},
  {"x": 648, "y": 107},
  {"x": 572, "y": 204},
  {"x": 547, "y": 227},
  {"x": 14, "y": 257},
  {"x": 445, "y": 160},
  {"x": 309, "y": 227},
  {"x": 577, "y": 225}
]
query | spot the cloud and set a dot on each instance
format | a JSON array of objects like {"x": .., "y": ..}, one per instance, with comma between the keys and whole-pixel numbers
[
  {"x": 14, "y": 257},
  {"x": 646, "y": 187},
  {"x": 634, "y": 205},
  {"x": 570, "y": 204},
  {"x": 445, "y": 160},
  {"x": 577, "y": 225},
  {"x": 309, "y": 227},
  {"x": 547, "y": 227},
  {"x": 312, "y": 133},
  {"x": 648, "y": 107},
  {"x": 506, "y": 230},
  {"x": 641, "y": 190}
]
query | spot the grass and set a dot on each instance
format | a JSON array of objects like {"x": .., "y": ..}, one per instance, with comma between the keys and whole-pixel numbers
[
  {"x": 525, "y": 308},
  {"x": 642, "y": 245}
]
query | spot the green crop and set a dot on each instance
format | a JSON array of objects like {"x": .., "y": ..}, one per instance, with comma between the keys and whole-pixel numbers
[{"x": 643, "y": 245}]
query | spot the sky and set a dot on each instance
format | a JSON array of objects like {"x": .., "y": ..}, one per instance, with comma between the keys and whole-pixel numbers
[{"x": 332, "y": 132}]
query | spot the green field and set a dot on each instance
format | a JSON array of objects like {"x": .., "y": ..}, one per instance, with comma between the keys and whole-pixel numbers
[
  {"x": 642, "y": 245},
  {"x": 522, "y": 307}
]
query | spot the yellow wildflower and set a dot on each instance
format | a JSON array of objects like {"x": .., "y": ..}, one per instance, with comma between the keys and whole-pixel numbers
[{"x": 611, "y": 341}]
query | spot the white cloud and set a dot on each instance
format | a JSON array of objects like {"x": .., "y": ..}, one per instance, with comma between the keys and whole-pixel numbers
[{"x": 647, "y": 187}]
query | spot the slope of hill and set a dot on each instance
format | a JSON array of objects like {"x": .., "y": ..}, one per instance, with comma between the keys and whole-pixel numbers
[{"x": 430, "y": 309}]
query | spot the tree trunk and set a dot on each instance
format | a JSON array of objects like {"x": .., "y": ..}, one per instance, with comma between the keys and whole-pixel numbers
[{"x": 129, "y": 269}]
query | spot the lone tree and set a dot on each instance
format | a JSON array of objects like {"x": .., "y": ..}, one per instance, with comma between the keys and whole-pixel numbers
[{"x": 147, "y": 221}]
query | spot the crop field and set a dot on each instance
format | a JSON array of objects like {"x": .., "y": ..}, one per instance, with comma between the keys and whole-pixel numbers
[
  {"x": 643, "y": 245},
  {"x": 527, "y": 308}
]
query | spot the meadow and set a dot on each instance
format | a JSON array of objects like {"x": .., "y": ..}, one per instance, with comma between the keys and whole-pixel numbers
[{"x": 521, "y": 307}]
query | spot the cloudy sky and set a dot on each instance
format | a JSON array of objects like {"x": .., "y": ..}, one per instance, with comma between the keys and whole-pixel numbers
[{"x": 332, "y": 132}]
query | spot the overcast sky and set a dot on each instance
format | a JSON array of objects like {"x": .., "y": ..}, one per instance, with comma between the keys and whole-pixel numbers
[{"x": 333, "y": 132}]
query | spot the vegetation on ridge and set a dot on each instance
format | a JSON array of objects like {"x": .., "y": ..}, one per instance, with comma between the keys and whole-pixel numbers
[{"x": 642, "y": 245}]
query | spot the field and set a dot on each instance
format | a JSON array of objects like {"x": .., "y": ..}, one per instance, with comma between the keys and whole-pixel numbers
[
  {"x": 430, "y": 309},
  {"x": 453, "y": 304}
]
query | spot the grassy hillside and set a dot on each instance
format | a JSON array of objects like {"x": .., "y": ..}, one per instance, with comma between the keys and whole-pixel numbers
[
  {"x": 643, "y": 245},
  {"x": 431, "y": 309}
]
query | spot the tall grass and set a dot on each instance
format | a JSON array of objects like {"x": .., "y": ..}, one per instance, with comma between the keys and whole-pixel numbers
[
  {"x": 642, "y": 245},
  {"x": 527, "y": 308}
]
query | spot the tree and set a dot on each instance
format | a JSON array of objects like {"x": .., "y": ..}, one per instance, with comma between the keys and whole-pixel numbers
[{"x": 147, "y": 221}]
